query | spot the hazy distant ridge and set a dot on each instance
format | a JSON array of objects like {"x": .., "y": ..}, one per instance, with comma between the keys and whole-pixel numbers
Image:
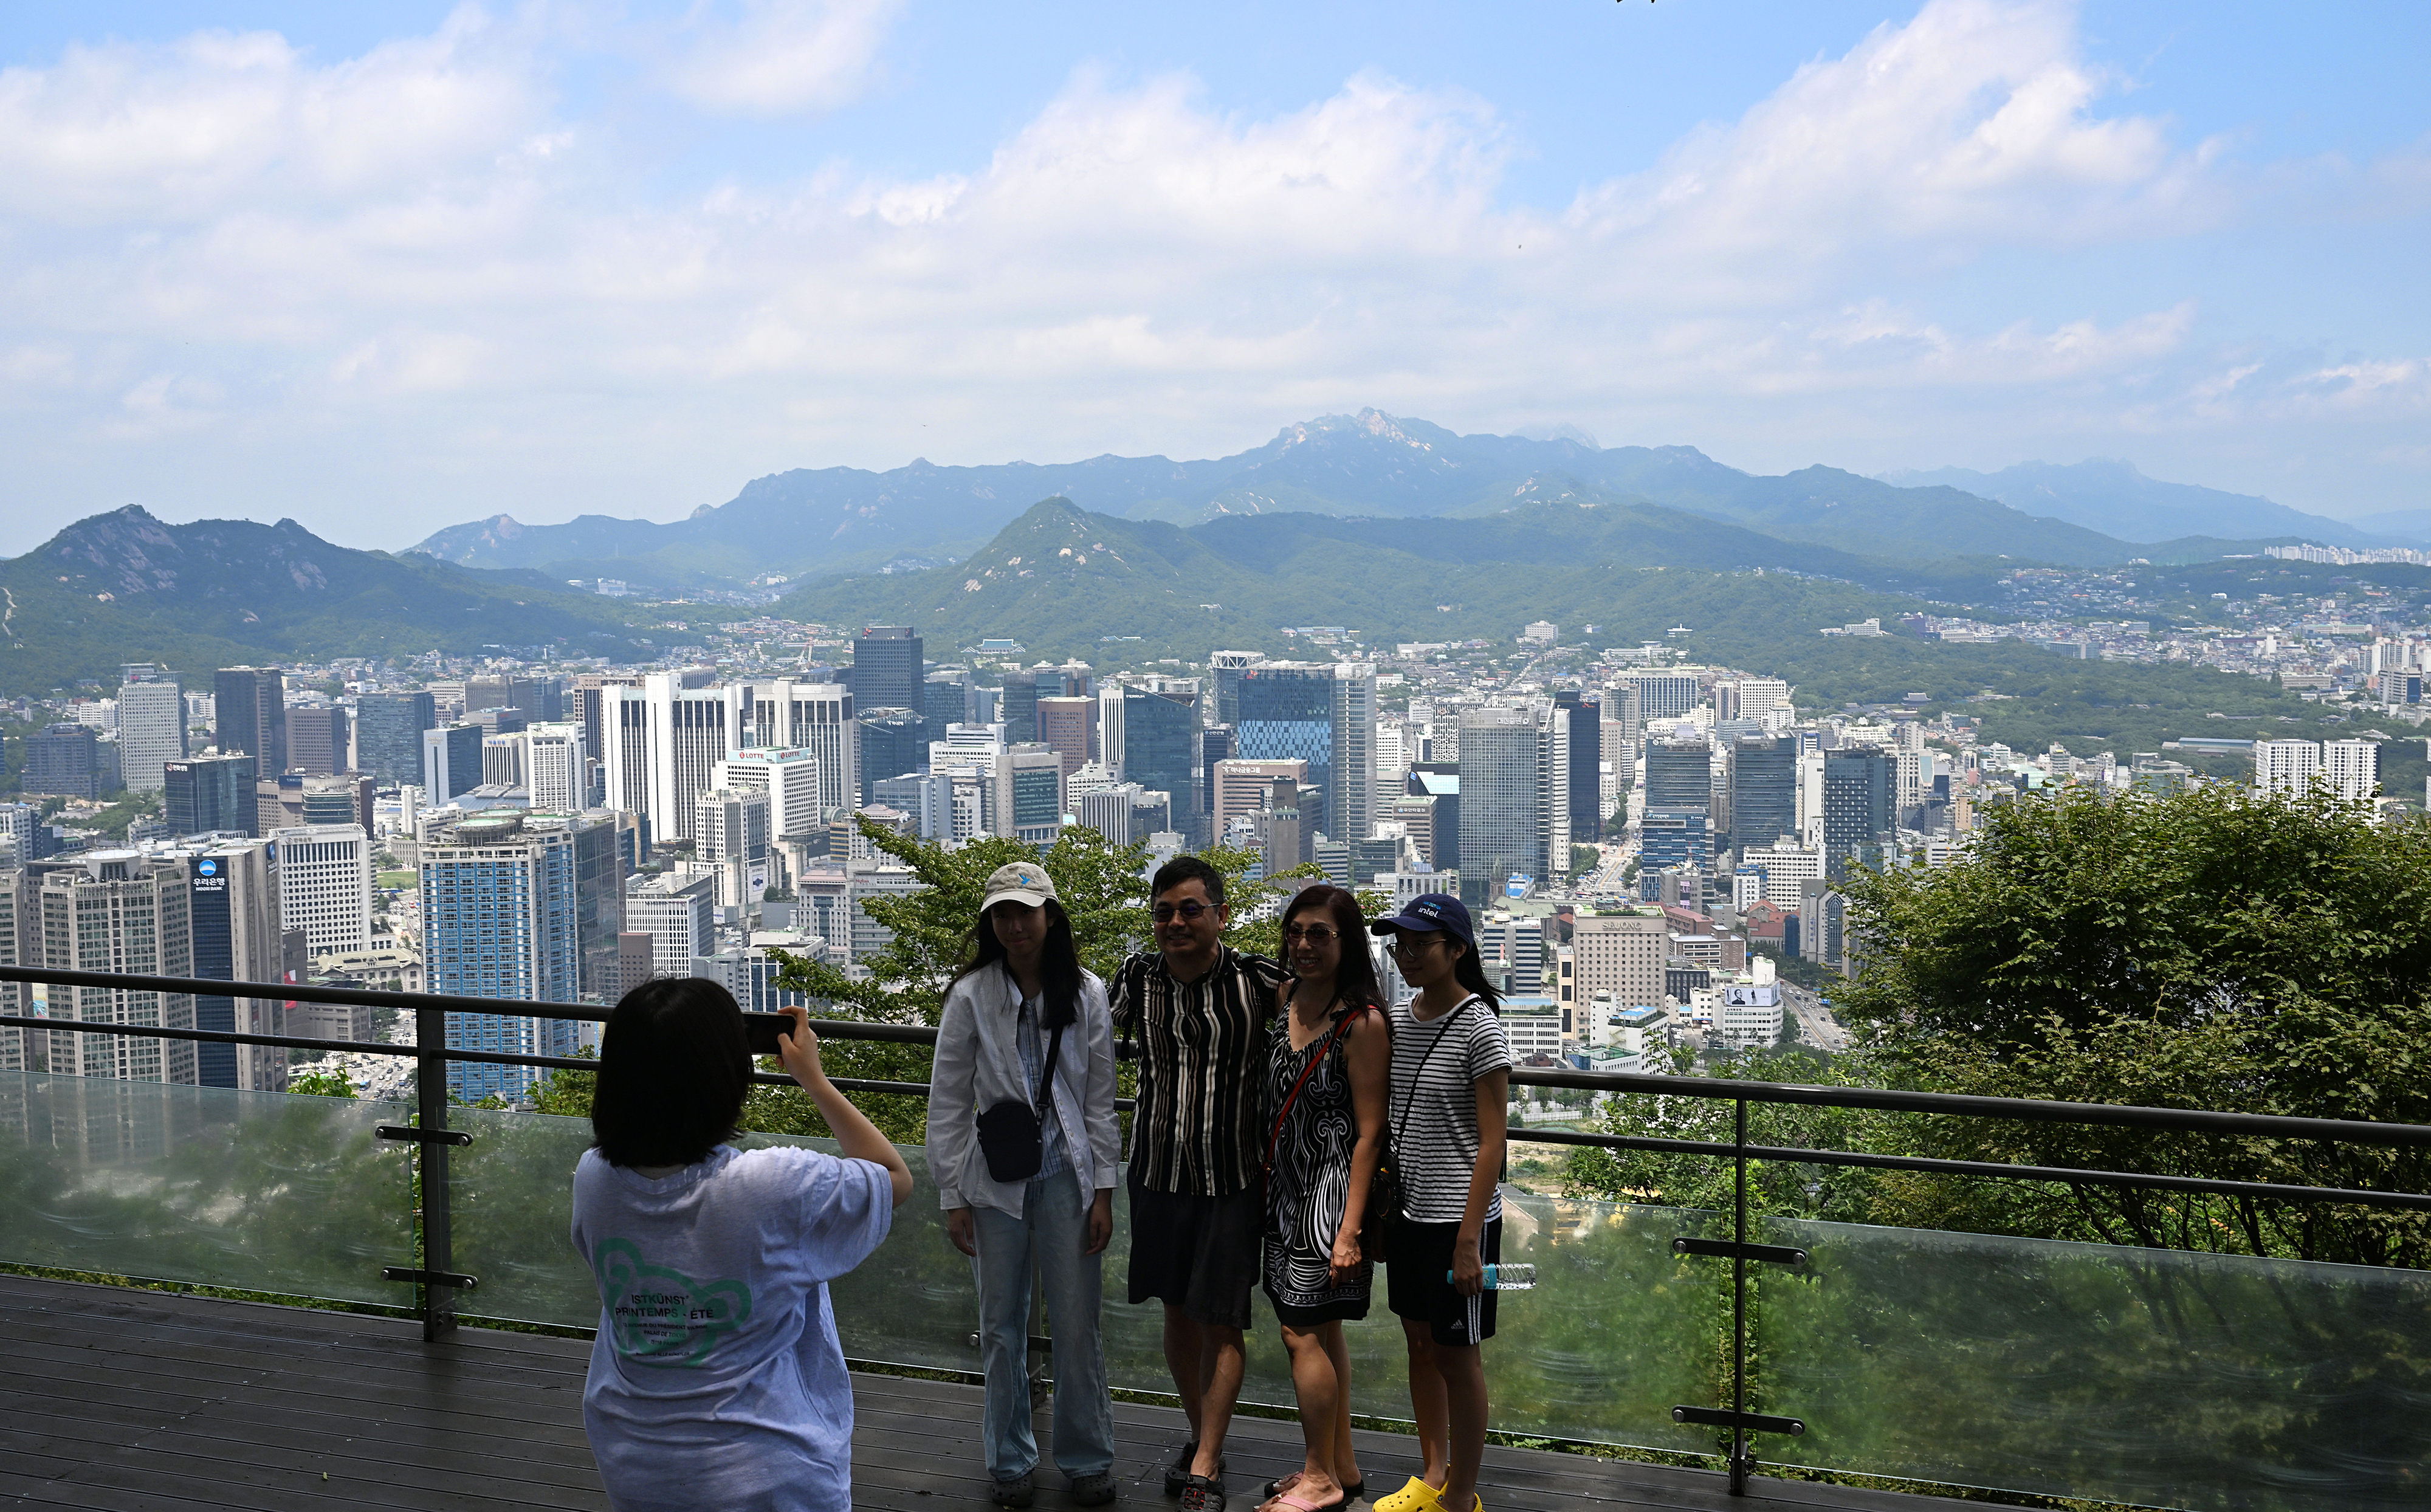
[{"x": 2111, "y": 495}]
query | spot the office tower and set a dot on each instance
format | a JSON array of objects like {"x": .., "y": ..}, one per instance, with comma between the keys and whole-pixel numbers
[
  {"x": 233, "y": 904},
  {"x": 1068, "y": 727},
  {"x": 1440, "y": 782},
  {"x": 1663, "y": 694},
  {"x": 2286, "y": 766},
  {"x": 1215, "y": 746},
  {"x": 500, "y": 917},
  {"x": 1586, "y": 764},
  {"x": 1018, "y": 708},
  {"x": 325, "y": 885},
  {"x": 1784, "y": 868},
  {"x": 151, "y": 729},
  {"x": 451, "y": 762},
  {"x": 21, "y": 831},
  {"x": 2352, "y": 768},
  {"x": 633, "y": 964},
  {"x": 731, "y": 825},
  {"x": 1622, "y": 956},
  {"x": 1224, "y": 669},
  {"x": 500, "y": 719},
  {"x": 114, "y": 911},
  {"x": 1243, "y": 787},
  {"x": 814, "y": 717},
  {"x": 62, "y": 759},
  {"x": 554, "y": 770},
  {"x": 1029, "y": 794},
  {"x": 664, "y": 740},
  {"x": 1750, "y": 697},
  {"x": 1107, "y": 748},
  {"x": 1122, "y": 812},
  {"x": 602, "y": 853},
  {"x": 316, "y": 739},
  {"x": 1764, "y": 789},
  {"x": 893, "y": 743},
  {"x": 1680, "y": 773},
  {"x": 1514, "y": 809},
  {"x": 1858, "y": 794},
  {"x": 1673, "y": 837},
  {"x": 250, "y": 714},
  {"x": 887, "y": 668},
  {"x": 202, "y": 794},
  {"x": 538, "y": 699},
  {"x": 293, "y": 798},
  {"x": 945, "y": 697},
  {"x": 1326, "y": 717},
  {"x": 502, "y": 761},
  {"x": 388, "y": 735},
  {"x": 679, "y": 915},
  {"x": 1161, "y": 749},
  {"x": 790, "y": 777}
]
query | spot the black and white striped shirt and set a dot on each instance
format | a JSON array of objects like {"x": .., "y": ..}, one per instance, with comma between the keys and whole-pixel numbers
[
  {"x": 1202, "y": 1048},
  {"x": 1434, "y": 1110}
]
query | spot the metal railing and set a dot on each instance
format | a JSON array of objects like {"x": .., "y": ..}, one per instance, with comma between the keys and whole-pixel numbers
[{"x": 438, "y": 1283}]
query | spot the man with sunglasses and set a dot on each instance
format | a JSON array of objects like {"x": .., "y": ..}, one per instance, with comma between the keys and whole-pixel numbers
[{"x": 1198, "y": 1012}]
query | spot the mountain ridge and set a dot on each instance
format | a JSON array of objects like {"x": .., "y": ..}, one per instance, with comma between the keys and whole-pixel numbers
[{"x": 2112, "y": 494}]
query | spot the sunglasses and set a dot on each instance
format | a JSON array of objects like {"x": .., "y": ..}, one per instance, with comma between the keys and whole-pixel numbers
[
  {"x": 1188, "y": 912},
  {"x": 1313, "y": 934}
]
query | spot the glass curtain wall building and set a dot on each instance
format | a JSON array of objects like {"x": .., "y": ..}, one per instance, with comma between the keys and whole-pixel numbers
[
  {"x": 1514, "y": 812},
  {"x": 1162, "y": 750},
  {"x": 250, "y": 711},
  {"x": 388, "y": 735},
  {"x": 502, "y": 917},
  {"x": 1764, "y": 789},
  {"x": 1321, "y": 715}
]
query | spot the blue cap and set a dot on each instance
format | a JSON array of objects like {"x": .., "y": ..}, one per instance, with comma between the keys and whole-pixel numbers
[{"x": 1429, "y": 913}]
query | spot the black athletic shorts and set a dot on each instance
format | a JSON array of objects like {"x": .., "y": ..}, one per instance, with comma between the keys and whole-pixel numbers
[
  {"x": 1421, "y": 1254},
  {"x": 1198, "y": 1253}
]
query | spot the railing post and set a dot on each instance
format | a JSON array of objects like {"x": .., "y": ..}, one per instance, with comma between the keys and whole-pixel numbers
[
  {"x": 430, "y": 1098},
  {"x": 1738, "y": 1303}
]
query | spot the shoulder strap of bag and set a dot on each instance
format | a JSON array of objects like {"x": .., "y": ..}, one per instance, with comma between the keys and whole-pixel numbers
[
  {"x": 1411, "y": 1101},
  {"x": 1285, "y": 1112}
]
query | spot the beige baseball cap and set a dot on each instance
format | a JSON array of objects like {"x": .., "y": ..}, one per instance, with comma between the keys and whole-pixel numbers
[{"x": 1018, "y": 882}]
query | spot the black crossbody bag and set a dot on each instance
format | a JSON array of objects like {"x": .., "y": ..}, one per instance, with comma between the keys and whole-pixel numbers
[{"x": 1010, "y": 1132}]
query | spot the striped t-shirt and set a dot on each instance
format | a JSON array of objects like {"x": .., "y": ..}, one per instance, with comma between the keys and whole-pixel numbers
[{"x": 1434, "y": 1110}]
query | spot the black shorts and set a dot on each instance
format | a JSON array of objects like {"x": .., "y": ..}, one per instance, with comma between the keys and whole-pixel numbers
[
  {"x": 1198, "y": 1253},
  {"x": 1414, "y": 1271}
]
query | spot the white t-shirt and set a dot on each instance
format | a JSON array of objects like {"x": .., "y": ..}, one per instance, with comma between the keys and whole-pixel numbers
[
  {"x": 717, "y": 1379},
  {"x": 1432, "y": 1114}
]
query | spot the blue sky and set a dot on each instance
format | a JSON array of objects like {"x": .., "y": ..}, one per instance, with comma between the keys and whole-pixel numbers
[{"x": 388, "y": 267}]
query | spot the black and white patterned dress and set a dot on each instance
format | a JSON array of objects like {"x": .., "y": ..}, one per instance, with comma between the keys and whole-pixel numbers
[{"x": 1310, "y": 1181}]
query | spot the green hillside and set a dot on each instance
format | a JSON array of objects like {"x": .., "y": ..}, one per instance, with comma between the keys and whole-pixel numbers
[{"x": 125, "y": 587}]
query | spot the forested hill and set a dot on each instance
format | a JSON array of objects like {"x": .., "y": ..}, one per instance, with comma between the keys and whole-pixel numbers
[{"x": 125, "y": 587}]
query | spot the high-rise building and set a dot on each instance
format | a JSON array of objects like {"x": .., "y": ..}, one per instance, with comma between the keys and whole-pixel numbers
[
  {"x": 554, "y": 768},
  {"x": 1244, "y": 786},
  {"x": 588, "y": 704},
  {"x": 64, "y": 759},
  {"x": 1161, "y": 749},
  {"x": 1017, "y": 707},
  {"x": 1680, "y": 773},
  {"x": 893, "y": 741},
  {"x": 325, "y": 885},
  {"x": 316, "y": 739},
  {"x": 250, "y": 714},
  {"x": 1122, "y": 812},
  {"x": 1859, "y": 794},
  {"x": 451, "y": 761},
  {"x": 538, "y": 699},
  {"x": 1622, "y": 956},
  {"x": 151, "y": 729},
  {"x": 1215, "y": 746},
  {"x": 2286, "y": 766},
  {"x": 500, "y": 918},
  {"x": 945, "y": 697},
  {"x": 1069, "y": 727},
  {"x": 887, "y": 670},
  {"x": 203, "y": 795},
  {"x": 233, "y": 905},
  {"x": 1028, "y": 795},
  {"x": 1587, "y": 763},
  {"x": 293, "y": 798},
  {"x": 817, "y": 717},
  {"x": 791, "y": 778},
  {"x": 2352, "y": 768},
  {"x": 1663, "y": 694},
  {"x": 1225, "y": 669},
  {"x": 1321, "y": 715},
  {"x": 663, "y": 742},
  {"x": 114, "y": 911},
  {"x": 388, "y": 735},
  {"x": 1764, "y": 789},
  {"x": 1514, "y": 813},
  {"x": 679, "y": 915}
]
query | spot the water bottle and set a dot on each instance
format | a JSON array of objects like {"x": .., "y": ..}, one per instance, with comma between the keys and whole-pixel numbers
[{"x": 1506, "y": 1278}]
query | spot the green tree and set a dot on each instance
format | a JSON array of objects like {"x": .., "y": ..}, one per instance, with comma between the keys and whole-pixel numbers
[
  {"x": 2217, "y": 948},
  {"x": 331, "y": 1082}
]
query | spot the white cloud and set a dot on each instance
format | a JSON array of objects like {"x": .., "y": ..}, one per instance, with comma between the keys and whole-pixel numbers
[{"x": 410, "y": 289}]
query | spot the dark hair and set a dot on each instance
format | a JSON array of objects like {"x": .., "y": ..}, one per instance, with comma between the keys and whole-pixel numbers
[
  {"x": 1184, "y": 869},
  {"x": 1470, "y": 974},
  {"x": 1059, "y": 964},
  {"x": 1354, "y": 975},
  {"x": 673, "y": 1069}
]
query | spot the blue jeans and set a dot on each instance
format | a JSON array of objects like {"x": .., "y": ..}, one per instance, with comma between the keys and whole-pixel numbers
[{"x": 1053, "y": 1229}]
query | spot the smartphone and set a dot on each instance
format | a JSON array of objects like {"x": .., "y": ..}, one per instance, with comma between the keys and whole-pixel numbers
[{"x": 761, "y": 1030}]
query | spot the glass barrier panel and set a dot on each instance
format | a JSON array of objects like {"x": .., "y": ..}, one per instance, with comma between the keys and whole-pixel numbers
[
  {"x": 252, "y": 1191},
  {"x": 2162, "y": 1378}
]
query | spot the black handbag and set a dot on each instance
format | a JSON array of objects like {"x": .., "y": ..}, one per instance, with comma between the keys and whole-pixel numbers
[{"x": 1010, "y": 1132}]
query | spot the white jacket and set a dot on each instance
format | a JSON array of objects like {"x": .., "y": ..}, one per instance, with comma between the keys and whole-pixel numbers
[{"x": 978, "y": 1064}]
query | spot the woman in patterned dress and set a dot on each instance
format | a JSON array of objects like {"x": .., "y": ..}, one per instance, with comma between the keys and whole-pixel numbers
[{"x": 1325, "y": 1087}]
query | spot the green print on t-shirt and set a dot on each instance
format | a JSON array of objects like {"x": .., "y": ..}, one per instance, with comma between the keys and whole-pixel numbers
[{"x": 658, "y": 1315}]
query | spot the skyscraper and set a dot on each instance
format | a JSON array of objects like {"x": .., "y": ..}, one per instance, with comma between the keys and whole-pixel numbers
[
  {"x": 316, "y": 739},
  {"x": 1859, "y": 791},
  {"x": 151, "y": 729},
  {"x": 2352, "y": 768},
  {"x": 817, "y": 717},
  {"x": 501, "y": 919},
  {"x": 1664, "y": 695},
  {"x": 887, "y": 670},
  {"x": 1587, "y": 763},
  {"x": 451, "y": 761},
  {"x": 1162, "y": 750},
  {"x": 1680, "y": 773},
  {"x": 790, "y": 776},
  {"x": 203, "y": 794},
  {"x": 1764, "y": 789},
  {"x": 662, "y": 743},
  {"x": 233, "y": 900},
  {"x": 113, "y": 910},
  {"x": 1068, "y": 727},
  {"x": 1326, "y": 717},
  {"x": 1018, "y": 708},
  {"x": 1514, "y": 813},
  {"x": 64, "y": 759},
  {"x": 1029, "y": 794},
  {"x": 250, "y": 709},
  {"x": 893, "y": 743},
  {"x": 325, "y": 885},
  {"x": 554, "y": 770},
  {"x": 388, "y": 735}
]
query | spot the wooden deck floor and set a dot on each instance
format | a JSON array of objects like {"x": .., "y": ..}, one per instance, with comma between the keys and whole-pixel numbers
[{"x": 126, "y": 1400}]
